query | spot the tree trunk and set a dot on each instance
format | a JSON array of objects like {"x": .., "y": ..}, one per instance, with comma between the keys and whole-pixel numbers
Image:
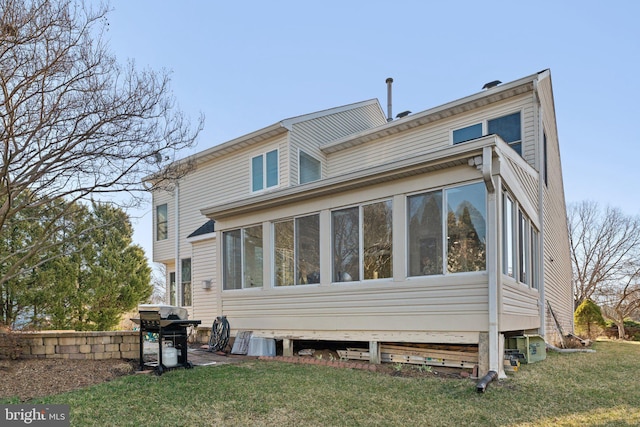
[{"x": 621, "y": 332}]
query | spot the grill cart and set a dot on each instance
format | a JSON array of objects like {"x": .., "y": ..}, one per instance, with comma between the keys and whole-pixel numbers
[{"x": 170, "y": 323}]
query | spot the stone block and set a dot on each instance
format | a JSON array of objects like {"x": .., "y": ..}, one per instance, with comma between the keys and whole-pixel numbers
[
  {"x": 112, "y": 347},
  {"x": 38, "y": 350},
  {"x": 101, "y": 356},
  {"x": 79, "y": 356},
  {"x": 84, "y": 349},
  {"x": 125, "y": 347},
  {"x": 131, "y": 339},
  {"x": 97, "y": 348},
  {"x": 50, "y": 349},
  {"x": 130, "y": 355},
  {"x": 50, "y": 340},
  {"x": 67, "y": 349},
  {"x": 72, "y": 340}
]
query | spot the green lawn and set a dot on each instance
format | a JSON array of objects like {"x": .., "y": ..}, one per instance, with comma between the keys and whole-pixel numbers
[{"x": 577, "y": 389}]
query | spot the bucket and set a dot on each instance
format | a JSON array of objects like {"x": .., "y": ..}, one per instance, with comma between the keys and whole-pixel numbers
[{"x": 169, "y": 355}]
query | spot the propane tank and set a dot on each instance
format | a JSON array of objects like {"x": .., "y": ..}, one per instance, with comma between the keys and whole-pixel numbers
[{"x": 169, "y": 355}]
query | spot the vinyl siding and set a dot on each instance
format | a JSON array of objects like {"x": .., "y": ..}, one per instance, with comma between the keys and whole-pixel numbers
[
  {"x": 557, "y": 261},
  {"x": 205, "y": 306},
  {"x": 163, "y": 250},
  {"x": 435, "y": 136},
  {"x": 309, "y": 135}
]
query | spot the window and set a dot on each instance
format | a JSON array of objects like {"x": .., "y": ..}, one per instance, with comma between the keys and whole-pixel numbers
[
  {"x": 264, "y": 171},
  {"x": 185, "y": 277},
  {"x": 544, "y": 154},
  {"x": 345, "y": 224},
  {"x": 509, "y": 129},
  {"x": 310, "y": 168},
  {"x": 297, "y": 251},
  {"x": 243, "y": 258},
  {"x": 464, "y": 229},
  {"x": 362, "y": 242},
  {"x": 172, "y": 288},
  {"x": 425, "y": 234},
  {"x": 508, "y": 244},
  {"x": 520, "y": 244},
  {"x": 162, "y": 222},
  {"x": 468, "y": 133}
]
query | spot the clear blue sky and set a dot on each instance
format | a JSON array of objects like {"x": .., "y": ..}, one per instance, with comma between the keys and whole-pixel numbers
[{"x": 249, "y": 64}]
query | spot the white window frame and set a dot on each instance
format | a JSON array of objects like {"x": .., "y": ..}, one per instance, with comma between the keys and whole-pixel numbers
[
  {"x": 300, "y": 153},
  {"x": 485, "y": 129},
  {"x": 263, "y": 155}
]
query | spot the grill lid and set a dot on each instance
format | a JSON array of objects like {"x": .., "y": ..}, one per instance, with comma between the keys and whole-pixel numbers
[{"x": 166, "y": 310}]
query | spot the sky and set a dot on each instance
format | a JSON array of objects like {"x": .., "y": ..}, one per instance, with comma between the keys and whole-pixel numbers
[{"x": 248, "y": 64}]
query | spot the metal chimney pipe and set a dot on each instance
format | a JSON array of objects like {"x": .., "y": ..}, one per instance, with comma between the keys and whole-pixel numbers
[{"x": 389, "y": 114}]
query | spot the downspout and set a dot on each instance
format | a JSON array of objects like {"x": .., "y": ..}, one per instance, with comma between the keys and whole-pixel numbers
[
  {"x": 176, "y": 194},
  {"x": 495, "y": 358},
  {"x": 541, "y": 172}
]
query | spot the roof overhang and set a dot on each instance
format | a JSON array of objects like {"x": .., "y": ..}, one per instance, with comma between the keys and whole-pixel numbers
[
  {"x": 480, "y": 99},
  {"x": 456, "y": 155}
]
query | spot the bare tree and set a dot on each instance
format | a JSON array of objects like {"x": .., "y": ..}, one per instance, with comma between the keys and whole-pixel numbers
[
  {"x": 605, "y": 248},
  {"x": 621, "y": 300},
  {"x": 74, "y": 124}
]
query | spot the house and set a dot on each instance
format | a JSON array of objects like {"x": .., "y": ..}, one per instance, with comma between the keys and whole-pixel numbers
[{"x": 445, "y": 226}]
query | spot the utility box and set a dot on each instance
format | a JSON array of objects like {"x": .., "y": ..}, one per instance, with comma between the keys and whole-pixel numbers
[{"x": 532, "y": 347}]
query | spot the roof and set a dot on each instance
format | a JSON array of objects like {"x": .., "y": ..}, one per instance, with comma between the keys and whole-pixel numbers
[{"x": 206, "y": 228}]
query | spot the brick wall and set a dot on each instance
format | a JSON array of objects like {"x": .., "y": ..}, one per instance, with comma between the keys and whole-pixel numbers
[{"x": 76, "y": 345}]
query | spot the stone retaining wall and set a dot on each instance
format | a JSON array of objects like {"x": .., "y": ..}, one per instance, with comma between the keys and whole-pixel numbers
[{"x": 76, "y": 345}]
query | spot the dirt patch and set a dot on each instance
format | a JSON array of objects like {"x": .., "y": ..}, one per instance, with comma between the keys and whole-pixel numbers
[{"x": 31, "y": 378}]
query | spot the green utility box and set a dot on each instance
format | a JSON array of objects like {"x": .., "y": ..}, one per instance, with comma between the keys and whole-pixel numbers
[{"x": 532, "y": 347}]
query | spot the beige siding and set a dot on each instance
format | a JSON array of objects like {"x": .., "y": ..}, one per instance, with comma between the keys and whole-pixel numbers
[
  {"x": 163, "y": 250},
  {"x": 520, "y": 307},
  {"x": 204, "y": 268},
  {"x": 443, "y": 305},
  {"x": 311, "y": 134},
  {"x": 557, "y": 261},
  {"x": 435, "y": 136}
]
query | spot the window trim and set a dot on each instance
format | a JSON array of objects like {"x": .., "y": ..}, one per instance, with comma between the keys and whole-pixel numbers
[{"x": 265, "y": 171}]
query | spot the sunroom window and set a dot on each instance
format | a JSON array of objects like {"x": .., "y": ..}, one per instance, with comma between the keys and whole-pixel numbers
[
  {"x": 362, "y": 242},
  {"x": 456, "y": 215},
  {"x": 509, "y": 129},
  {"x": 243, "y": 258},
  {"x": 297, "y": 251}
]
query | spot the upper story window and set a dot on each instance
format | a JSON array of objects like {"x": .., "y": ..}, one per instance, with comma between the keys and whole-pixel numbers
[
  {"x": 508, "y": 127},
  {"x": 264, "y": 171},
  {"x": 310, "y": 168},
  {"x": 162, "y": 222}
]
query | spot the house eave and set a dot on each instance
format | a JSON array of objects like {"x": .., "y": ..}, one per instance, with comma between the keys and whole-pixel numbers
[
  {"x": 457, "y": 155},
  {"x": 480, "y": 99}
]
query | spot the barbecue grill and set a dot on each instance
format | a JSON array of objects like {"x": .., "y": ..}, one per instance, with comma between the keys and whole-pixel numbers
[{"x": 170, "y": 323}]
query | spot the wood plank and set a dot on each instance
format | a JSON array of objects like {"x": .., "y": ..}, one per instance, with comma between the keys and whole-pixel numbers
[
  {"x": 416, "y": 360},
  {"x": 435, "y": 354}
]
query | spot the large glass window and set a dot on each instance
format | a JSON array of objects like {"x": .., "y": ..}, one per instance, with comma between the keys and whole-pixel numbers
[
  {"x": 363, "y": 242},
  {"x": 346, "y": 244},
  {"x": 185, "y": 277},
  {"x": 162, "y": 221},
  {"x": 425, "y": 234},
  {"x": 466, "y": 228},
  {"x": 264, "y": 171},
  {"x": 297, "y": 251},
  {"x": 310, "y": 168},
  {"x": 243, "y": 258},
  {"x": 377, "y": 238},
  {"x": 509, "y": 129}
]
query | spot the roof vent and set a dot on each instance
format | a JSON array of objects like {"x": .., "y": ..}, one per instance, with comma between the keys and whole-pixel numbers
[
  {"x": 491, "y": 84},
  {"x": 403, "y": 114}
]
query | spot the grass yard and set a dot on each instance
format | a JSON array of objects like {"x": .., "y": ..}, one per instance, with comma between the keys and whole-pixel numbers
[{"x": 578, "y": 389}]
